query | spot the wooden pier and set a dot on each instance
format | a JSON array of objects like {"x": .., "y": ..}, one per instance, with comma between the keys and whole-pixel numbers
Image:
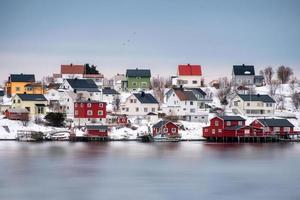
[{"x": 294, "y": 137}]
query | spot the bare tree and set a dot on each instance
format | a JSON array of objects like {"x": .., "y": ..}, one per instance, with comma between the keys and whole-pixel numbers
[
  {"x": 284, "y": 74},
  {"x": 293, "y": 84},
  {"x": 224, "y": 91},
  {"x": 274, "y": 84},
  {"x": 168, "y": 82},
  {"x": 280, "y": 102},
  {"x": 158, "y": 85},
  {"x": 268, "y": 74},
  {"x": 296, "y": 100},
  {"x": 117, "y": 103}
]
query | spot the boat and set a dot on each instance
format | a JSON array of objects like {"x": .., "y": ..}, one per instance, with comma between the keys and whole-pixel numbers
[
  {"x": 29, "y": 136},
  {"x": 164, "y": 138}
]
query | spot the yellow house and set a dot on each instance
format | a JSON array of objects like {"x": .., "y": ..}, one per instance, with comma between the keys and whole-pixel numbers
[
  {"x": 23, "y": 83},
  {"x": 35, "y": 103}
]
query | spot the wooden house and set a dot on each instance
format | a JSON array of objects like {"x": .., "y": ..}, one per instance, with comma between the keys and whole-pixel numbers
[
  {"x": 96, "y": 130},
  {"x": 21, "y": 114},
  {"x": 165, "y": 128}
]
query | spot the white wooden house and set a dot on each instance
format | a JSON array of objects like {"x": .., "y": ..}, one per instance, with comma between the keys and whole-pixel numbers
[
  {"x": 254, "y": 105},
  {"x": 139, "y": 104}
]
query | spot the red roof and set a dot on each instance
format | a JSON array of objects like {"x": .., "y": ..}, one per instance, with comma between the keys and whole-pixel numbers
[
  {"x": 189, "y": 70},
  {"x": 72, "y": 69}
]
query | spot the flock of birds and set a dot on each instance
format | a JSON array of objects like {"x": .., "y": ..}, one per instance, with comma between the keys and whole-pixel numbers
[{"x": 129, "y": 39}]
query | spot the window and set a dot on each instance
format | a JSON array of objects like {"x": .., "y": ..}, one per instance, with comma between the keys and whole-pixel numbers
[
  {"x": 191, "y": 103},
  {"x": 89, "y": 112},
  {"x": 206, "y": 130},
  {"x": 137, "y": 109},
  {"x": 195, "y": 82},
  {"x": 134, "y": 84},
  {"x": 40, "y": 110},
  {"x": 247, "y": 131},
  {"x": 134, "y": 100},
  {"x": 153, "y": 109},
  {"x": 100, "y": 105},
  {"x": 145, "y": 109},
  {"x": 240, "y": 123},
  {"x": 192, "y": 110},
  {"x": 131, "y": 100},
  {"x": 248, "y": 104},
  {"x": 14, "y": 101},
  {"x": 165, "y": 130},
  {"x": 76, "y": 105},
  {"x": 89, "y": 105},
  {"x": 219, "y": 130},
  {"x": 81, "y": 105},
  {"x": 100, "y": 112},
  {"x": 213, "y": 131},
  {"x": 216, "y": 123},
  {"x": 76, "y": 112},
  {"x": 138, "y": 78},
  {"x": 144, "y": 84},
  {"x": 127, "y": 109},
  {"x": 228, "y": 123},
  {"x": 17, "y": 89},
  {"x": 173, "y": 130},
  {"x": 287, "y": 129},
  {"x": 276, "y": 129}
]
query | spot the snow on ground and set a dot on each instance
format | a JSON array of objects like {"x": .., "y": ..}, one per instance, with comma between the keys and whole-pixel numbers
[
  {"x": 9, "y": 128},
  {"x": 192, "y": 130}
]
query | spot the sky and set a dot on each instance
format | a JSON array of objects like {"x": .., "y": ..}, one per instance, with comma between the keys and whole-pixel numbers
[{"x": 38, "y": 36}]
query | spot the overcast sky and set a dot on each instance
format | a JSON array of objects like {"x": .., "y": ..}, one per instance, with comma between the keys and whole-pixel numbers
[{"x": 37, "y": 36}]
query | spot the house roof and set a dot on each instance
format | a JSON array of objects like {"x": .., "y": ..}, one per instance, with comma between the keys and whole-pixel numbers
[
  {"x": 17, "y": 110},
  {"x": 185, "y": 95},
  {"x": 1, "y": 93},
  {"x": 138, "y": 73},
  {"x": 72, "y": 69},
  {"x": 198, "y": 90},
  {"x": 243, "y": 70},
  {"x": 258, "y": 97},
  {"x": 108, "y": 90},
  {"x": 83, "y": 85},
  {"x": 276, "y": 122},
  {"x": 232, "y": 118},
  {"x": 96, "y": 127},
  {"x": 22, "y": 78},
  {"x": 145, "y": 98},
  {"x": 233, "y": 128},
  {"x": 189, "y": 70},
  {"x": 161, "y": 123},
  {"x": 32, "y": 97}
]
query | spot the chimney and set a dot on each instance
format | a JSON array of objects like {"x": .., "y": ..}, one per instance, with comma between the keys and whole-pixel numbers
[
  {"x": 258, "y": 95},
  {"x": 142, "y": 94},
  {"x": 89, "y": 99}
]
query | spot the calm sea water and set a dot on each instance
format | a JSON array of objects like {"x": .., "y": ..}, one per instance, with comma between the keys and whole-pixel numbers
[{"x": 130, "y": 170}]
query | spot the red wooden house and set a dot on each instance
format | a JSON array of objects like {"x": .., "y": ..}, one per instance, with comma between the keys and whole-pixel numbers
[
  {"x": 17, "y": 114},
  {"x": 274, "y": 126},
  {"x": 91, "y": 110},
  {"x": 96, "y": 130},
  {"x": 225, "y": 126},
  {"x": 164, "y": 127}
]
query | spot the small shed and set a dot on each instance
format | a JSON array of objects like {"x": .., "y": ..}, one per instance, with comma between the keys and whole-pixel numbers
[
  {"x": 97, "y": 130},
  {"x": 17, "y": 114},
  {"x": 165, "y": 128}
]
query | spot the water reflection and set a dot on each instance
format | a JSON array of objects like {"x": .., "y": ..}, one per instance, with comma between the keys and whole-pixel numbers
[{"x": 114, "y": 170}]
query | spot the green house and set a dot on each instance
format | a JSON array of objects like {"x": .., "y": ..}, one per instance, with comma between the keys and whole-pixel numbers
[{"x": 137, "y": 79}]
